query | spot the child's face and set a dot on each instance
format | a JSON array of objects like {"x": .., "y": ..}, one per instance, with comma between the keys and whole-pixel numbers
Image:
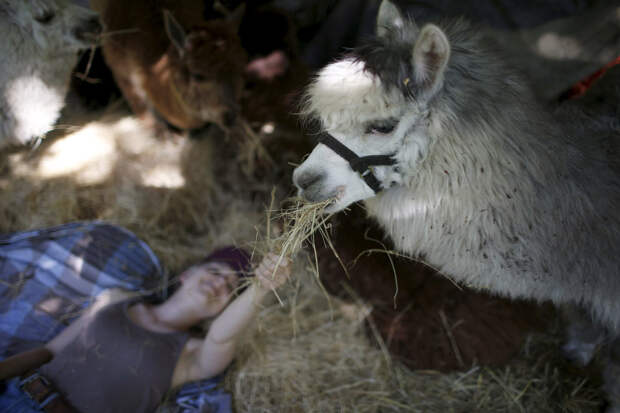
[{"x": 209, "y": 286}]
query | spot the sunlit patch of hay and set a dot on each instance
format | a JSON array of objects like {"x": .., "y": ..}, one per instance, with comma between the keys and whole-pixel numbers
[
  {"x": 90, "y": 155},
  {"x": 114, "y": 169}
]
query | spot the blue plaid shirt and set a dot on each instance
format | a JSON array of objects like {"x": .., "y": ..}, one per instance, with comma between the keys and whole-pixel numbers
[{"x": 47, "y": 276}]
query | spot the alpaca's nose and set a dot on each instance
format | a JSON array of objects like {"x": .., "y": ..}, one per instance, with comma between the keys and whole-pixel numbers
[
  {"x": 89, "y": 29},
  {"x": 306, "y": 179}
]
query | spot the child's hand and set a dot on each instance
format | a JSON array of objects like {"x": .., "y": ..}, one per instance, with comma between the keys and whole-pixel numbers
[{"x": 267, "y": 278}]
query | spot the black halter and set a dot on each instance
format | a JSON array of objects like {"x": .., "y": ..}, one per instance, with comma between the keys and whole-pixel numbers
[
  {"x": 361, "y": 165},
  {"x": 193, "y": 133}
]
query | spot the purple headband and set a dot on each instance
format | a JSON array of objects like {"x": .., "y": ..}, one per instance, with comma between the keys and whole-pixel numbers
[{"x": 238, "y": 259}]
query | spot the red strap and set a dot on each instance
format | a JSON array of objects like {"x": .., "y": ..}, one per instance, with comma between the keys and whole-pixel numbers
[{"x": 581, "y": 87}]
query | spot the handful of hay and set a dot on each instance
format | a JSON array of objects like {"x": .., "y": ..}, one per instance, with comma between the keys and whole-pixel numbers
[{"x": 298, "y": 223}]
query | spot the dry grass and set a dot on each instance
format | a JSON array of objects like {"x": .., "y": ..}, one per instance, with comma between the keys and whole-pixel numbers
[
  {"x": 301, "y": 221},
  {"x": 114, "y": 170},
  {"x": 289, "y": 229},
  {"x": 294, "y": 226},
  {"x": 309, "y": 353},
  {"x": 313, "y": 356}
]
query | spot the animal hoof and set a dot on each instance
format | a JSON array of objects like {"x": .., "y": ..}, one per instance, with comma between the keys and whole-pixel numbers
[{"x": 579, "y": 353}]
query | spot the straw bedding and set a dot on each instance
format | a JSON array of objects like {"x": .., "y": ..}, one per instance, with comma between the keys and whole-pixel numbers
[{"x": 311, "y": 351}]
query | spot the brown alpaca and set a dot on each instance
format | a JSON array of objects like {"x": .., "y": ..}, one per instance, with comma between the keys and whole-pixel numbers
[{"x": 173, "y": 66}]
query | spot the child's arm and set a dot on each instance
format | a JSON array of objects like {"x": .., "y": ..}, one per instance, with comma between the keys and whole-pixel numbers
[
  {"x": 218, "y": 348},
  {"x": 20, "y": 363}
]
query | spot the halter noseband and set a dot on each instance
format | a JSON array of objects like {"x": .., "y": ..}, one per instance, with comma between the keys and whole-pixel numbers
[{"x": 360, "y": 164}]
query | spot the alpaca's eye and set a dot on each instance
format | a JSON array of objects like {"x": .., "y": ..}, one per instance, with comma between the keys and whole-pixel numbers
[
  {"x": 198, "y": 77},
  {"x": 381, "y": 128},
  {"x": 46, "y": 17}
]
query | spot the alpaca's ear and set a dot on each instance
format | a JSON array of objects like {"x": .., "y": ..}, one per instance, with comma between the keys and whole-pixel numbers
[
  {"x": 175, "y": 32},
  {"x": 236, "y": 16},
  {"x": 431, "y": 53},
  {"x": 389, "y": 18}
]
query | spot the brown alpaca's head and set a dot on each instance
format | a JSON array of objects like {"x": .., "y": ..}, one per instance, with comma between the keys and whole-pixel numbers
[{"x": 205, "y": 70}]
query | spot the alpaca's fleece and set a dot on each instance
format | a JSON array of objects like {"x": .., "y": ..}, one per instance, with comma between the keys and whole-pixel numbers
[
  {"x": 490, "y": 187},
  {"x": 39, "y": 41}
]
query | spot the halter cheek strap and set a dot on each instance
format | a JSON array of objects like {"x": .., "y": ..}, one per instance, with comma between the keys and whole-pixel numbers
[{"x": 360, "y": 164}]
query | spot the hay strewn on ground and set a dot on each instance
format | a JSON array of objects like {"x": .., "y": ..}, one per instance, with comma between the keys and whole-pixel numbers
[{"x": 312, "y": 354}]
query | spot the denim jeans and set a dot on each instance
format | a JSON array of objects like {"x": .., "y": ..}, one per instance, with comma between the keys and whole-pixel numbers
[
  {"x": 194, "y": 397},
  {"x": 14, "y": 400},
  {"x": 204, "y": 395}
]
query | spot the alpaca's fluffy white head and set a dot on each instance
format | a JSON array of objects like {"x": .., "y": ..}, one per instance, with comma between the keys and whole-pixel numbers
[
  {"x": 354, "y": 107},
  {"x": 374, "y": 106},
  {"x": 55, "y": 25}
]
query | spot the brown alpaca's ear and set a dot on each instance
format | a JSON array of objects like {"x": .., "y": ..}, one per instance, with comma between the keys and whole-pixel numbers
[
  {"x": 236, "y": 17},
  {"x": 175, "y": 32}
]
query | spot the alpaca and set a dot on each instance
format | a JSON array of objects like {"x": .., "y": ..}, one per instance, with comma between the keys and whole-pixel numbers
[
  {"x": 39, "y": 41},
  {"x": 454, "y": 157},
  {"x": 172, "y": 66}
]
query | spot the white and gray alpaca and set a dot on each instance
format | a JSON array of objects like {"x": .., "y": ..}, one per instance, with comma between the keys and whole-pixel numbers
[
  {"x": 488, "y": 186},
  {"x": 39, "y": 41}
]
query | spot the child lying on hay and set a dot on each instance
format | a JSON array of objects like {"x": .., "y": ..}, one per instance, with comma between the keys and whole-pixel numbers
[{"x": 122, "y": 354}]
